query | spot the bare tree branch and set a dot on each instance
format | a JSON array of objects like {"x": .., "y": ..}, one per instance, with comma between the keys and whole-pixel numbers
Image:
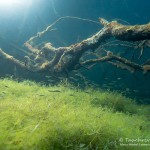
[{"x": 64, "y": 59}]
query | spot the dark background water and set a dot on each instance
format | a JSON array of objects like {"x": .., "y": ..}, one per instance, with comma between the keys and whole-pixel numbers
[{"x": 19, "y": 22}]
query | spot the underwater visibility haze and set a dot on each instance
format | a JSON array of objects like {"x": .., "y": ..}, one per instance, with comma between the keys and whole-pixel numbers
[{"x": 74, "y": 74}]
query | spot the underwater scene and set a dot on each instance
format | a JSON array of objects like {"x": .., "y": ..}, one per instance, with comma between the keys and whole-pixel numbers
[{"x": 74, "y": 75}]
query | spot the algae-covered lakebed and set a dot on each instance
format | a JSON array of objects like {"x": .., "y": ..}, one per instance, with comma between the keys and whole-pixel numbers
[{"x": 62, "y": 117}]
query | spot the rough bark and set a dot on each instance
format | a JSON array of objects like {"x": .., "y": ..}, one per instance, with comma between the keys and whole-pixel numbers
[{"x": 64, "y": 59}]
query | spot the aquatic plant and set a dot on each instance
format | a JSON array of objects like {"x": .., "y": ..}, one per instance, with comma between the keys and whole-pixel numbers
[{"x": 64, "y": 117}]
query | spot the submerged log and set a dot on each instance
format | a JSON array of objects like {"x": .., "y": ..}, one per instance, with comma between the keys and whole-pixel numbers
[
  {"x": 126, "y": 32},
  {"x": 64, "y": 59}
]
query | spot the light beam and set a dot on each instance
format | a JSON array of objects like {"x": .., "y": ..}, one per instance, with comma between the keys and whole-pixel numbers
[{"x": 10, "y": 2}]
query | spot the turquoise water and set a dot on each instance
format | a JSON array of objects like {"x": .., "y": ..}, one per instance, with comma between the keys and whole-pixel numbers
[
  {"x": 22, "y": 20},
  {"x": 48, "y": 101}
]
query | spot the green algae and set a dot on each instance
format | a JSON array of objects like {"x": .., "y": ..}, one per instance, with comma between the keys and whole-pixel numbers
[{"x": 39, "y": 117}]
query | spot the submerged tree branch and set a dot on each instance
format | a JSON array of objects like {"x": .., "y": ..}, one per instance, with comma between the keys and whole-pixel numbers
[
  {"x": 11, "y": 59},
  {"x": 127, "y": 33},
  {"x": 62, "y": 59}
]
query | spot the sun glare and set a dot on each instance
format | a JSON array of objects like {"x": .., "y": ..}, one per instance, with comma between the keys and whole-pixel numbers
[
  {"x": 10, "y": 2},
  {"x": 14, "y": 5}
]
